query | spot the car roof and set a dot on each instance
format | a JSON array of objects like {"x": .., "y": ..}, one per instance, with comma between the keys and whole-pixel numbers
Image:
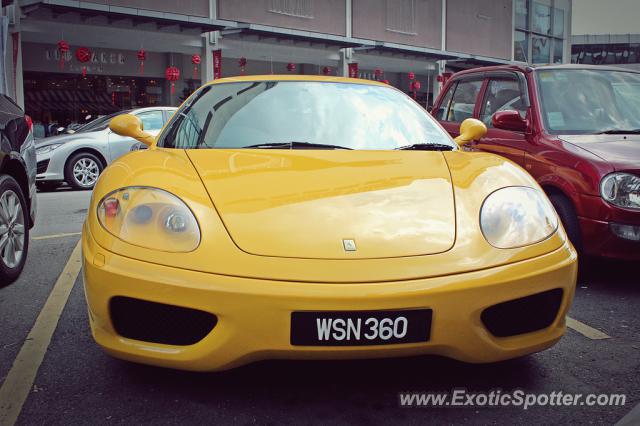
[
  {"x": 277, "y": 77},
  {"x": 530, "y": 68}
]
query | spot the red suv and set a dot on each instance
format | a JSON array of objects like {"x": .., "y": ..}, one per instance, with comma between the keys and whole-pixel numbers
[{"x": 576, "y": 129}]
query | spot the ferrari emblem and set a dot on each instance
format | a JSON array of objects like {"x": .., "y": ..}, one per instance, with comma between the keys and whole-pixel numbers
[{"x": 349, "y": 245}]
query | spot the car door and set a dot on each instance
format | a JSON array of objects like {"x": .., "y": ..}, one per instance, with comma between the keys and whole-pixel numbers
[
  {"x": 503, "y": 93},
  {"x": 152, "y": 122},
  {"x": 458, "y": 104}
]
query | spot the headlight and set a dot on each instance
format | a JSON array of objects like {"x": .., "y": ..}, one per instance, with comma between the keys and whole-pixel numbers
[
  {"x": 150, "y": 218},
  {"x": 517, "y": 216},
  {"x": 621, "y": 189},
  {"x": 48, "y": 148}
]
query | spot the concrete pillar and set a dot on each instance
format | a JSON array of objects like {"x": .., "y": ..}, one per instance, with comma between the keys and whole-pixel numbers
[
  {"x": 346, "y": 56},
  {"x": 206, "y": 65}
]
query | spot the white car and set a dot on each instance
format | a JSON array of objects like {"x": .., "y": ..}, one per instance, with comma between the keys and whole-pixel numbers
[{"x": 79, "y": 158}]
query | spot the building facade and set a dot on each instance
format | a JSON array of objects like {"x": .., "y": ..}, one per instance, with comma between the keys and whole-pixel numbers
[
  {"x": 605, "y": 35},
  {"x": 68, "y": 59}
]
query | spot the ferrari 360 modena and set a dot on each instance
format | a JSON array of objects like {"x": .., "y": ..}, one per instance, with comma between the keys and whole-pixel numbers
[{"x": 302, "y": 217}]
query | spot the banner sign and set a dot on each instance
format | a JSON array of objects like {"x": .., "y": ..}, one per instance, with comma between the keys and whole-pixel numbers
[
  {"x": 217, "y": 64},
  {"x": 353, "y": 70}
]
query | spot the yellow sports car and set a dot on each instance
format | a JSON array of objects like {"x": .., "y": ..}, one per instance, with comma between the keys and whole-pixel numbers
[{"x": 314, "y": 218}]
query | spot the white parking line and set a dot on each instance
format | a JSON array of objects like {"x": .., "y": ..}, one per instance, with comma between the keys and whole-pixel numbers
[
  {"x": 48, "y": 237},
  {"x": 19, "y": 381},
  {"x": 585, "y": 330}
]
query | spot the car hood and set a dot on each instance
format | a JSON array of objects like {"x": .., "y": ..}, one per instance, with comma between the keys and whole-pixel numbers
[
  {"x": 306, "y": 203},
  {"x": 66, "y": 138},
  {"x": 621, "y": 151}
]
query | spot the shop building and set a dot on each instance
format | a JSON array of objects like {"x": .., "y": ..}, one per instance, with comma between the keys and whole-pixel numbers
[{"x": 134, "y": 53}]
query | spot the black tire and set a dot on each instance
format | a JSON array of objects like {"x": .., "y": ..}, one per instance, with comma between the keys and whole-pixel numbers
[
  {"x": 569, "y": 219},
  {"x": 9, "y": 274},
  {"x": 76, "y": 159}
]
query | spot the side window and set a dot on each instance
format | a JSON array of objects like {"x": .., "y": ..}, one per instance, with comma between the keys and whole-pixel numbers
[
  {"x": 464, "y": 100},
  {"x": 442, "y": 112},
  {"x": 151, "y": 120},
  {"x": 502, "y": 95}
]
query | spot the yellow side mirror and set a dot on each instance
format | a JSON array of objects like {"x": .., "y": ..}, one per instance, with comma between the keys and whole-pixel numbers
[
  {"x": 130, "y": 126},
  {"x": 470, "y": 130}
]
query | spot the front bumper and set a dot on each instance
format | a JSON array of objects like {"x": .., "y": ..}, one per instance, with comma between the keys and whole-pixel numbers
[
  {"x": 50, "y": 167},
  {"x": 253, "y": 315},
  {"x": 600, "y": 240}
]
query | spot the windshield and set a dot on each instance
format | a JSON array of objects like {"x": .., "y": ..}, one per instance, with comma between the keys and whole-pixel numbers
[
  {"x": 586, "y": 101},
  {"x": 302, "y": 115},
  {"x": 99, "y": 123}
]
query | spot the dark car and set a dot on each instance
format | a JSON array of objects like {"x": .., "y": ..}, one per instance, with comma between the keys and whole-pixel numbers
[
  {"x": 17, "y": 188},
  {"x": 576, "y": 129}
]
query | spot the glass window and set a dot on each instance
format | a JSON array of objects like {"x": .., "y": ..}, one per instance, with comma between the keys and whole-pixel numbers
[
  {"x": 541, "y": 18},
  {"x": 589, "y": 101},
  {"x": 540, "y": 49},
  {"x": 558, "y": 22},
  {"x": 151, "y": 120},
  {"x": 464, "y": 101},
  {"x": 443, "y": 110},
  {"x": 558, "y": 46},
  {"x": 502, "y": 95},
  {"x": 520, "y": 46},
  {"x": 355, "y": 116},
  {"x": 522, "y": 14}
]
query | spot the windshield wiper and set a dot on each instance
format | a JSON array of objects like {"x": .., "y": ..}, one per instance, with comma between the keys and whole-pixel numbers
[
  {"x": 620, "y": 132},
  {"x": 296, "y": 145},
  {"x": 426, "y": 147}
]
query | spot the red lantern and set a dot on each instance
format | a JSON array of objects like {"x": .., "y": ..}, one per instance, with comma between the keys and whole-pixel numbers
[
  {"x": 378, "y": 73},
  {"x": 326, "y": 70},
  {"x": 414, "y": 87},
  {"x": 291, "y": 67},
  {"x": 195, "y": 60},
  {"x": 83, "y": 54},
  {"x": 385, "y": 81},
  {"x": 243, "y": 63},
  {"x": 172, "y": 74},
  {"x": 412, "y": 75},
  {"x": 142, "y": 56},
  {"x": 63, "y": 48}
]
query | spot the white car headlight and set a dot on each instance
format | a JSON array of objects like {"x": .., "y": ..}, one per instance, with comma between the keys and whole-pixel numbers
[
  {"x": 150, "y": 218},
  {"x": 48, "y": 148},
  {"x": 517, "y": 216},
  {"x": 621, "y": 189}
]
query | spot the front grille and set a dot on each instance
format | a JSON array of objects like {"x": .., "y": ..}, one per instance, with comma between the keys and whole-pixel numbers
[
  {"x": 41, "y": 167},
  {"x": 159, "y": 323},
  {"x": 523, "y": 315}
]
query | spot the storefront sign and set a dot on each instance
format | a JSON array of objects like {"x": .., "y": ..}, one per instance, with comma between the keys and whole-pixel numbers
[
  {"x": 217, "y": 64},
  {"x": 353, "y": 70},
  {"x": 97, "y": 57}
]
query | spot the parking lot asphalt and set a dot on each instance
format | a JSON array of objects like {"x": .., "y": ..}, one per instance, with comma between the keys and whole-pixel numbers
[{"x": 77, "y": 383}]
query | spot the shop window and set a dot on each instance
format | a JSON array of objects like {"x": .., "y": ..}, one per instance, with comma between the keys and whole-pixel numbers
[
  {"x": 541, "y": 18},
  {"x": 502, "y": 95},
  {"x": 464, "y": 101},
  {"x": 522, "y": 14},
  {"x": 401, "y": 16},
  {"x": 558, "y": 22},
  {"x": 297, "y": 8},
  {"x": 558, "y": 46},
  {"x": 520, "y": 46},
  {"x": 540, "y": 49}
]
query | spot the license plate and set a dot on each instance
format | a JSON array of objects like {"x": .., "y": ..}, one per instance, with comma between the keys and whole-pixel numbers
[{"x": 359, "y": 328}]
